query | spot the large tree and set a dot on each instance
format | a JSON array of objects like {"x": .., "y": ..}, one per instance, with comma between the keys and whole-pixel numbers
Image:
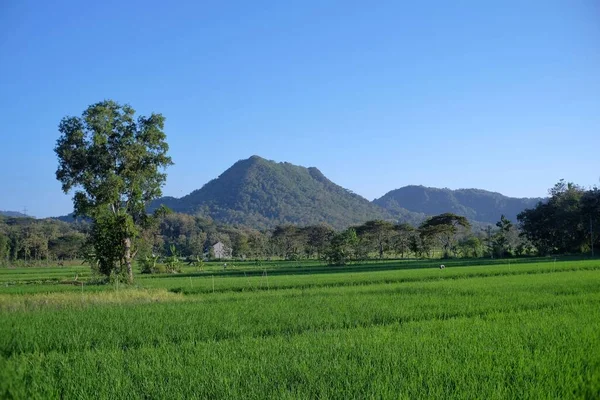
[
  {"x": 342, "y": 248},
  {"x": 378, "y": 235},
  {"x": 115, "y": 164},
  {"x": 560, "y": 224},
  {"x": 505, "y": 237},
  {"x": 444, "y": 228},
  {"x": 318, "y": 238},
  {"x": 402, "y": 238}
]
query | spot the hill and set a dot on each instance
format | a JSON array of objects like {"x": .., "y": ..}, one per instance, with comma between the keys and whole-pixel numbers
[
  {"x": 14, "y": 214},
  {"x": 260, "y": 193},
  {"x": 475, "y": 204}
]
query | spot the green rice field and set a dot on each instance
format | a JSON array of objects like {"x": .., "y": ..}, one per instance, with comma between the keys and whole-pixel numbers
[{"x": 304, "y": 331}]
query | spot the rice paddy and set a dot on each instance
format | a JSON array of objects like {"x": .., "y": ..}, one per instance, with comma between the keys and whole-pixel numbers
[{"x": 389, "y": 330}]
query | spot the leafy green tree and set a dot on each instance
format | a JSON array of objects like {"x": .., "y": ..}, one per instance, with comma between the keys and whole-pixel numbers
[
  {"x": 470, "y": 246},
  {"x": 590, "y": 206},
  {"x": 289, "y": 241},
  {"x": 67, "y": 246},
  {"x": 342, "y": 248},
  {"x": 502, "y": 238},
  {"x": 4, "y": 247},
  {"x": 318, "y": 238},
  {"x": 420, "y": 245},
  {"x": 257, "y": 242},
  {"x": 559, "y": 225},
  {"x": 115, "y": 164},
  {"x": 377, "y": 234},
  {"x": 240, "y": 247},
  {"x": 444, "y": 228},
  {"x": 402, "y": 238}
]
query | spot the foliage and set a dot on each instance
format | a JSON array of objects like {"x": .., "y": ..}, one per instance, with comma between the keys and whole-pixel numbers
[
  {"x": 563, "y": 223},
  {"x": 196, "y": 262},
  {"x": 148, "y": 264},
  {"x": 342, "y": 248},
  {"x": 172, "y": 262},
  {"x": 113, "y": 163},
  {"x": 34, "y": 240},
  {"x": 444, "y": 228},
  {"x": 4, "y": 247},
  {"x": 470, "y": 246},
  {"x": 377, "y": 234}
]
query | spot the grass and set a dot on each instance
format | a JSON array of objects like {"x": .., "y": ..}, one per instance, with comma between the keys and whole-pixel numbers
[{"x": 525, "y": 331}]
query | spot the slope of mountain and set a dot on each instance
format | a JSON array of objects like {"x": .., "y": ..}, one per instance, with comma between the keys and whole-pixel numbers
[
  {"x": 262, "y": 193},
  {"x": 259, "y": 193},
  {"x": 475, "y": 204},
  {"x": 15, "y": 214}
]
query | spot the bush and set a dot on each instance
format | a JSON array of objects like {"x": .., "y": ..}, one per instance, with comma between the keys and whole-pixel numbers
[{"x": 148, "y": 265}]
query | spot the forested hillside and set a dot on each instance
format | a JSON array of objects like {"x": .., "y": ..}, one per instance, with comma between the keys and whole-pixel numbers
[
  {"x": 475, "y": 204},
  {"x": 260, "y": 193}
]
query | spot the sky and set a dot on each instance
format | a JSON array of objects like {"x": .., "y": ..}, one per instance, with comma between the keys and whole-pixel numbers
[{"x": 497, "y": 95}]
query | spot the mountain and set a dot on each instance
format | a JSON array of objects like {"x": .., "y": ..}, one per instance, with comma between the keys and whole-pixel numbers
[
  {"x": 15, "y": 214},
  {"x": 262, "y": 194},
  {"x": 475, "y": 204}
]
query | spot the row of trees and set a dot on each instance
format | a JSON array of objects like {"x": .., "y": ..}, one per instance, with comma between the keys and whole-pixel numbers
[
  {"x": 563, "y": 224},
  {"x": 192, "y": 236},
  {"x": 34, "y": 240},
  {"x": 566, "y": 222},
  {"x": 446, "y": 235}
]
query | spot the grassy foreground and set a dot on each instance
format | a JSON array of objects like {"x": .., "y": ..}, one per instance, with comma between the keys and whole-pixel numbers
[{"x": 497, "y": 331}]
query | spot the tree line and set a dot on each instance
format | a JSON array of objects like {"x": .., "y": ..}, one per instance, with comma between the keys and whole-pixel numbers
[
  {"x": 445, "y": 235},
  {"x": 35, "y": 241},
  {"x": 192, "y": 236},
  {"x": 562, "y": 224}
]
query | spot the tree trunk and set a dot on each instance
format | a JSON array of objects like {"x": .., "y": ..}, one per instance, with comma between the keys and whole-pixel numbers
[{"x": 127, "y": 257}]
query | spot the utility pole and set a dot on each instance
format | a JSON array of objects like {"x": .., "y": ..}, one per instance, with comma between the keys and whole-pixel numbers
[{"x": 592, "y": 236}]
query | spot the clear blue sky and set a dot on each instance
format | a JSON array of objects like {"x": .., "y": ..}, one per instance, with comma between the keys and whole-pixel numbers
[{"x": 499, "y": 95}]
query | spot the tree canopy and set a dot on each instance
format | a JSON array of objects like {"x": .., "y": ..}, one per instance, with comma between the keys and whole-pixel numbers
[
  {"x": 565, "y": 223},
  {"x": 444, "y": 227},
  {"x": 115, "y": 164}
]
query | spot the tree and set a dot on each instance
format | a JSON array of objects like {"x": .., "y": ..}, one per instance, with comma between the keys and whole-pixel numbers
[
  {"x": 402, "y": 238},
  {"x": 444, "y": 227},
  {"x": 560, "y": 225},
  {"x": 342, "y": 247},
  {"x": 115, "y": 164},
  {"x": 503, "y": 238},
  {"x": 66, "y": 247},
  {"x": 470, "y": 246},
  {"x": 590, "y": 204},
  {"x": 240, "y": 246},
  {"x": 288, "y": 240},
  {"x": 377, "y": 234},
  {"x": 4, "y": 248},
  {"x": 318, "y": 238},
  {"x": 257, "y": 242}
]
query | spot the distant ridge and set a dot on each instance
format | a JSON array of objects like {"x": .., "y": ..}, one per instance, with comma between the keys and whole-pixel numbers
[
  {"x": 14, "y": 214},
  {"x": 475, "y": 204}
]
